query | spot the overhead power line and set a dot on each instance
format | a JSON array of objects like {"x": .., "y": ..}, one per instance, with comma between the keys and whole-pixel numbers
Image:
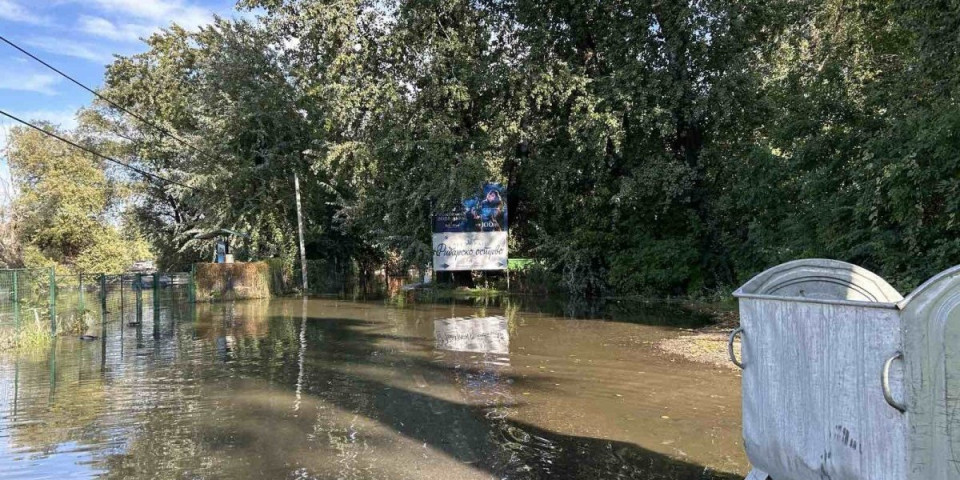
[
  {"x": 98, "y": 154},
  {"x": 105, "y": 99}
]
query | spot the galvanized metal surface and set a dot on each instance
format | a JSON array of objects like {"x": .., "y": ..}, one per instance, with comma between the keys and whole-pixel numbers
[
  {"x": 757, "y": 475},
  {"x": 830, "y": 280},
  {"x": 931, "y": 319},
  {"x": 816, "y": 334}
]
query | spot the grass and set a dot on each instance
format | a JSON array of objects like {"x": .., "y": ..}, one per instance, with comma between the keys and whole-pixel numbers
[{"x": 34, "y": 332}]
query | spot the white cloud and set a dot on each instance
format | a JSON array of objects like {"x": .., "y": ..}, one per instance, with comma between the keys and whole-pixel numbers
[
  {"x": 14, "y": 12},
  {"x": 5, "y": 125},
  {"x": 71, "y": 49},
  {"x": 23, "y": 81},
  {"x": 122, "y": 32},
  {"x": 127, "y": 21},
  {"x": 159, "y": 12},
  {"x": 66, "y": 118}
]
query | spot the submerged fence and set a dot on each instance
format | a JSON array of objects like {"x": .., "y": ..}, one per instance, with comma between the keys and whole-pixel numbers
[{"x": 34, "y": 301}]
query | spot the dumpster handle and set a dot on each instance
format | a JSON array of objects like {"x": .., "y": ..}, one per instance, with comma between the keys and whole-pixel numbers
[
  {"x": 733, "y": 358},
  {"x": 885, "y": 383}
]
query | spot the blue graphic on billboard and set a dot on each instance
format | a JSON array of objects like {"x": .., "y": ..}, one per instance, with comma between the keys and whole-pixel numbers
[{"x": 486, "y": 212}]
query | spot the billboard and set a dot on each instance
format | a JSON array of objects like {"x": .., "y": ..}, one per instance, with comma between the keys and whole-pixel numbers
[{"x": 475, "y": 236}]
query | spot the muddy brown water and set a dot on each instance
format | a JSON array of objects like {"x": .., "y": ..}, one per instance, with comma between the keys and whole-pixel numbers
[{"x": 327, "y": 388}]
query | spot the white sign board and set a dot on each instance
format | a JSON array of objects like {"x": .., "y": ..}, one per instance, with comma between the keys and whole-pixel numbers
[
  {"x": 473, "y": 334},
  {"x": 469, "y": 251}
]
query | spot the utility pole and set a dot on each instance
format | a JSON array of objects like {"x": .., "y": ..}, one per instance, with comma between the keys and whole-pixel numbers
[{"x": 303, "y": 252}]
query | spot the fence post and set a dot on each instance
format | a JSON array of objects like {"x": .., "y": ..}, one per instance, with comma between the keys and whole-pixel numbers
[
  {"x": 103, "y": 298},
  {"x": 156, "y": 304},
  {"x": 138, "y": 284},
  {"x": 81, "y": 305},
  {"x": 53, "y": 301},
  {"x": 122, "y": 306},
  {"x": 103, "y": 321},
  {"x": 192, "y": 292},
  {"x": 103, "y": 292},
  {"x": 16, "y": 305}
]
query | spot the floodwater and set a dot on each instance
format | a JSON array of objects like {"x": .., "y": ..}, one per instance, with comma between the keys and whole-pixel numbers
[{"x": 326, "y": 388}]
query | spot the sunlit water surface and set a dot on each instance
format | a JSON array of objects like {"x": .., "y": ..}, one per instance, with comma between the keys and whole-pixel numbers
[{"x": 326, "y": 388}]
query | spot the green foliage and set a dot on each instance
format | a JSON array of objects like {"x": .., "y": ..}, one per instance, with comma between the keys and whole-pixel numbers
[
  {"x": 33, "y": 336},
  {"x": 648, "y": 146},
  {"x": 63, "y": 212},
  {"x": 655, "y": 266}
]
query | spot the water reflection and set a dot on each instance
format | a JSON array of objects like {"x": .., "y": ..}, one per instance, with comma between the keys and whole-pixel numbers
[
  {"x": 331, "y": 389},
  {"x": 473, "y": 334}
]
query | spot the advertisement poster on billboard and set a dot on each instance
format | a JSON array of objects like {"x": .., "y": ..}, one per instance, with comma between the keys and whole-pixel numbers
[{"x": 475, "y": 236}]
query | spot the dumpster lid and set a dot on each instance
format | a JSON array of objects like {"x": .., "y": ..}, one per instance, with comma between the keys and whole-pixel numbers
[{"x": 821, "y": 281}]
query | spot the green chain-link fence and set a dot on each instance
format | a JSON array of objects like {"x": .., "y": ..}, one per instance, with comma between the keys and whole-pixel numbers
[
  {"x": 27, "y": 303},
  {"x": 42, "y": 303}
]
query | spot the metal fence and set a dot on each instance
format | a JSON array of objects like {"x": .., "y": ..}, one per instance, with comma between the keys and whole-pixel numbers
[{"x": 84, "y": 304}]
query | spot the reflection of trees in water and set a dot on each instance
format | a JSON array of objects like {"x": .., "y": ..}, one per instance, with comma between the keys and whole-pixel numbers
[
  {"x": 164, "y": 445},
  {"x": 196, "y": 408},
  {"x": 56, "y": 402},
  {"x": 345, "y": 438},
  {"x": 188, "y": 431},
  {"x": 627, "y": 310}
]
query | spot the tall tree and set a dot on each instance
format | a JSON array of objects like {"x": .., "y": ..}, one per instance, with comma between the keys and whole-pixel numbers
[
  {"x": 66, "y": 206},
  {"x": 222, "y": 92}
]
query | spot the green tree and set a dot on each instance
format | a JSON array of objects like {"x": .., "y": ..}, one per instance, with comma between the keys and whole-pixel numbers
[
  {"x": 222, "y": 91},
  {"x": 649, "y": 146},
  {"x": 64, "y": 205}
]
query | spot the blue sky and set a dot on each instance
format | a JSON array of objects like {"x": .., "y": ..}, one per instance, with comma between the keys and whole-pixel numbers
[{"x": 79, "y": 37}]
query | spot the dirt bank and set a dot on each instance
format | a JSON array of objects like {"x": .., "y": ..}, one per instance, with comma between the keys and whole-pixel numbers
[{"x": 706, "y": 345}]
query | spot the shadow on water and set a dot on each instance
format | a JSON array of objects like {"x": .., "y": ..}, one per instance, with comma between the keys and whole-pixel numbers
[
  {"x": 477, "y": 435},
  {"x": 512, "y": 449}
]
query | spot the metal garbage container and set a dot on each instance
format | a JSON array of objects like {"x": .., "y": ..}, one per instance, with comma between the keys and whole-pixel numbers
[
  {"x": 931, "y": 359},
  {"x": 816, "y": 337}
]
